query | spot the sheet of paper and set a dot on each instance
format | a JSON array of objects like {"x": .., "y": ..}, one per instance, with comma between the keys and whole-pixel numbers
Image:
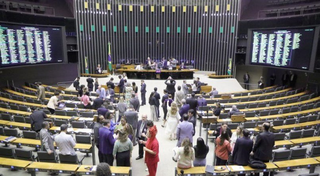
[{"x": 238, "y": 168}]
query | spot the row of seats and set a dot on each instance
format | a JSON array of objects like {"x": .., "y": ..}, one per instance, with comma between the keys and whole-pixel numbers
[
  {"x": 298, "y": 10},
  {"x": 287, "y": 2},
  {"x": 296, "y": 153}
]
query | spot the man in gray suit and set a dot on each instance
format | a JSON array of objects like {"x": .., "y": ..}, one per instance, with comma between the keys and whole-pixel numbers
[
  {"x": 41, "y": 92},
  {"x": 132, "y": 119},
  {"x": 179, "y": 97},
  {"x": 46, "y": 139},
  {"x": 143, "y": 91},
  {"x": 185, "y": 130},
  {"x": 185, "y": 87},
  {"x": 134, "y": 101}
]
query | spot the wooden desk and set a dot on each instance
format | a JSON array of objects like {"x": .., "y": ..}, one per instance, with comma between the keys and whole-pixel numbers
[
  {"x": 317, "y": 158},
  {"x": 289, "y": 114},
  {"x": 307, "y": 140},
  {"x": 102, "y": 75},
  {"x": 58, "y": 88},
  {"x": 206, "y": 89},
  {"x": 47, "y": 92},
  {"x": 175, "y": 74},
  {"x": 19, "y": 125},
  {"x": 202, "y": 170},
  {"x": 283, "y": 143},
  {"x": 23, "y": 95},
  {"x": 53, "y": 167},
  {"x": 219, "y": 76},
  {"x": 114, "y": 170},
  {"x": 4, "y": 122},
  {"x": 297, "y": 125},
  {"x": 246, "y": 169},
  {"x": 296, "y": 163},
  {"x": 8, "y": 162}
]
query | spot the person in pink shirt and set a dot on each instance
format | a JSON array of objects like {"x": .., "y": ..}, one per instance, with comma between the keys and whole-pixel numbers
[
  {"x": 223, "y": 148},
  {"x": 86, "y": 100}
]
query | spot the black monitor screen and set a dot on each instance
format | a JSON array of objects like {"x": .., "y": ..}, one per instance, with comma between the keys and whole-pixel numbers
[
  {"x": 26, "y": 44},
  {"x": 290, "y": 48}
]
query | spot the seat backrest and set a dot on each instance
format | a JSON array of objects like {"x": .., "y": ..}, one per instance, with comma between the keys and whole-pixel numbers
[
  {"x": 303, "y": 119},
  {"x": 264, "y": 113},
  {"x": 312, "y": 118},
  {"x": 72, "y": 113},
  {"x": 298, "y": 153},
  {"x": 69, "y": 159},
  {"x": 250, "y": 114},
  {"x": 280, "y": 102},
  {"x": 11, "y": 132},
  {"x": 5, "y": 116},
  {"x": 295, "y": 134},
  {"x": 290, "y": 121},
  {"x": 315, "y": 151},
  {"x": 281, "y": 155},
  {"x": 27, "y": 119},
  {"x": 294, "y": 109},
  {"x": 233, "y": 126},
  {"x": 24, "y": 154},
  {"x": 60, "y": 122},
  {"x": 262, "y": 105},
  {"x": 43, "y": 156},
  {"x": 29, "y": 134},
  {"x": 277, "y": 122},
  {"x": 279, "y": 136},
  {"x": 242, "y": 106},
  {"x": 76, "y": 124},
  {"x": 249, "y": 125},
  {"x": 7, "y": 152},
  {"x": 60, "y": 112},
  {"x": 86, "y": 139},
  {"x": 308, "y": 133},
  {"x": 18, "y": 118},
  {"x": 23, "y": 108},
  {"x": 254, "y": 105},
  {"x": 86, "y": 114}
]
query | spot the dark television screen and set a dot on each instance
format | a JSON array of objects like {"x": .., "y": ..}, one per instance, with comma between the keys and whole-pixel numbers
[
  {"x": 289, "y": 48},
  {"x": 28, "y": 45}
]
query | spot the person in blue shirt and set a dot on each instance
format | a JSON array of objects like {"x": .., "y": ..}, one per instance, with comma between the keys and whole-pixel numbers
[{"x": 102, "y": 93}]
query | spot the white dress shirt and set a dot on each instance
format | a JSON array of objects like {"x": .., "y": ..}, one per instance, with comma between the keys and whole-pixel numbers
[
  {"x": 65, "y": 143},
  {"x": 53, "y": 102}
]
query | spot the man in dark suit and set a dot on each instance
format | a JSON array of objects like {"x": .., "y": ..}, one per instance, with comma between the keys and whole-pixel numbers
[
  {"x": 164, "y": 106},
  {"x": 293, "y": 79},
  {"x": 157, "y": 96},
  {"x": 192, "y": 119},
  {"x": 97, "y": 103},
  {"x": 171, "y": 86},
  {"x": 98, "y": 69},
  {"x": 121, "y": 84},
  {"x": 246, "y": 80},
  {"x": 36, "y": 118},
  {"x": 184, "y": 109},
  {"x": 223, "y": 127},
  {"x": 263, "y": 146},
  {"x": 76, "y": 83},
  {"x": 193, "y": 102},
  {"x": 140, "y": 134},
  {"x": 134, "y": 101},
  {"x": 198, "y": 85},
  {"x": 285, "y": 78},
  {"x": 110, "y": 83},
  {"x": 143, "y": 91},
  {"x": 242, "y": 150},
  {"x": 90, "y": 82},
  {"x": 132, "y": 119}
]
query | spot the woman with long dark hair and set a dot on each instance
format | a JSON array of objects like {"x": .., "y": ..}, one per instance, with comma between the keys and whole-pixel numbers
[
  {"x": 223, "y": 148},
  {"x": 201, "y": 150},
  {"x": 185, "y": 155}
]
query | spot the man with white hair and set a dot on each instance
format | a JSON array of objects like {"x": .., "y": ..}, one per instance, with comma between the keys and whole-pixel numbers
[
  {"x": 141, "y": 134},
  {"x": 101, "y": 92},
  {"x": 233, "y": 111},
  {"x": 213, "y": 92}
]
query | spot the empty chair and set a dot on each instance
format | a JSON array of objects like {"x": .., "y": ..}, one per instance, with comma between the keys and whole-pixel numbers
[
  {"x": 264, "y": 113},
  {"x": 18, "y": 118},
  {"x": 84, "y": 139},
  {"x": 77, "y": 124},
  {"x": 43, "y": 156},
  {"x": 304, "y": 107},
  {"x": 1, "y": 131},
  {"x": 224, "y": 101},
  {"x": 244, "y": 99},
  {"x": 24, "y": 154},
  {"x": 233, "y": 126},
  {"x": 262, "y": 97},
  {"x": 298, "y": 153},
  {"x": 313, "y": 118},
  {"x": 241, "y": 106},
  {"x": 3, "y": 105},
  {"x": 72, "y": 113},
  {"x": 250, "y": 114},
  {"x": 269, "y": 97},
  {"x": 281, "y": 155},
  {"x": 254, "y": 105},
  {"x": 272, "y": 103},
  {"x": 223, "y": 116},
  {"x": 304, "y": 97},
  {"x": 237, "y": 94},
  {"x": 86, "y": 114},
  {"x": 308, "y": 133},
  {"x": 295, "y": 134},
  {"x": 303, "y": 119},
  {"x": 274, "y": 112},
  {"x": 23, "y": 108},
  {"x": 29, "y": 100},
  {"x": 290, "y": 121},
  {"x": 213, "y": 126},
  {"x": 70, "y": 105},
  {"x": 11, "y": 132},
  {"x": 80, "y": 106},
  {"x": 29, "y": 134},
  {"x": 60, "y": 122},
  {"x": 253, "y": 98},
  {"x": 294, "y": 109},
  {"x": 279, "y": 136},
  {"x": 60, "y": 112},
  {"x": 310, "y": 106},
  {"x": 249, "y": 125},
  {"x": 260, "y": 105},
  {"x": 292, "y": 100},
  {"x": 315, "y": 151},
  {"x": 233, "y": 100},
  {"x": 280, "y": 102},
  {"x": 27, "y": 119},
  {"x": 285, "y": 110},
  {"x": 6, "y": 116},
  {"x": 14, "y": 107},
  {"x": 68, "y": 159},
  {"x": 278, "y": 122},
  {"x": 6, "y": 152}
]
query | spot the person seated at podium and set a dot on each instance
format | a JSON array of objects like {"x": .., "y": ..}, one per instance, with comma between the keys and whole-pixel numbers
[
  {"x": 174, "y": 63},
  {"x": 149, "y": 62},
  {"x": 98, "y": 69},
  {"x": 164, "y": 63},
  {"x": 182, "y": 66},
  {"x": 234, "y": 111},
  {"x": 139, "y": 67}
]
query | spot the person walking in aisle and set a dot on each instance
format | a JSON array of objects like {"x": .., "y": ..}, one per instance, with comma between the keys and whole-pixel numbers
[
  {"x": 173, "y": 120},
  {"x": 143, "y": 93}
]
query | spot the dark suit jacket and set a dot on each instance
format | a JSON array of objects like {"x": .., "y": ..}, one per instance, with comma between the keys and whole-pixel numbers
[
  {"x": 144, "y": 130},
  {"x": 193, "y": 103},
  {"x": 97, "y": 70},
  {"x": 157, "y": 96},
  {"x": 121, "y": 83},
  {"x": 170, "y": 86},
  {"x": 132, "y": 118},
  {"x": 218, "y": 132},
  {"x": 36, "y": 118},
  {"x": 90, "y": 82},
  {"x": 184, "y": 110},
  {"x": 245, "y": 78},
  {"x": 143, "y": 88},
  {"x": 242, "y": 150},
  {"x": 263, "y": 146},
  {"x": 97, "y": 103},
  {"x": 135, "y": 103},
  {"x": 164, "y": 97},
  {"x": 111, "y": 84}
]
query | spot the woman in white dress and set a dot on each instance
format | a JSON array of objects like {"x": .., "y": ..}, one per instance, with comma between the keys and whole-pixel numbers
[{"x": 173, "y": 119}]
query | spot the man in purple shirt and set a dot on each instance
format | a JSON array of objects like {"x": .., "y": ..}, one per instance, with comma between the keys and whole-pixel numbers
[
  {"x": 106, "y": 142},
  {"x": 184, "y": 109},
  {"x": 202, "y": 101}
]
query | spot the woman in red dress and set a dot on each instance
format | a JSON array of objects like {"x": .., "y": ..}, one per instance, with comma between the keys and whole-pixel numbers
[{"x": 152, "y": 151}]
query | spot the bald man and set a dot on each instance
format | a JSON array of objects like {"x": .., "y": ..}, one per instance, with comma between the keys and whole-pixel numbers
[{"x": 141, "y": 129}]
